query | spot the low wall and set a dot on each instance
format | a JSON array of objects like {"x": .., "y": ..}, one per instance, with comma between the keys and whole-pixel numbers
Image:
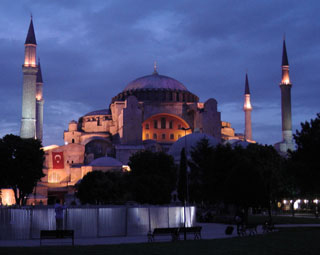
[{"x": 26, "y": 223}]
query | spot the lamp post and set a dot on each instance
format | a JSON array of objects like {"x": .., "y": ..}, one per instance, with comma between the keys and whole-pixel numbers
[{"x": 187, "y": 189}]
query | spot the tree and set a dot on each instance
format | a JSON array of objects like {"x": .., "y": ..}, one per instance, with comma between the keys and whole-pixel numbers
[
  {"x": 304, "y": 162},
  {"x": 209, "y": 169},
  {"x": 99, "y": 187},
  {"x": 246, "y": 177},
  {"x": 182, "y": 180},
  {"x": 21, "y": 165},
  {"x": 153, "y": 177}
]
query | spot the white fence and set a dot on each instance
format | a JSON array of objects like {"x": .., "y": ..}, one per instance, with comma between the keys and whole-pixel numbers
[{"x": 26, "y": 223}]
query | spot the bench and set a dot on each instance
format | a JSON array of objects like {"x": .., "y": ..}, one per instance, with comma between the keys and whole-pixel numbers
[
  {"x": 267, "y": 227},
  {"x": 250, "y": 229},
  {"x": 196, "y": 230},
  {"x": 173, "y": 232},
  {"x": 56, "y": 234}
]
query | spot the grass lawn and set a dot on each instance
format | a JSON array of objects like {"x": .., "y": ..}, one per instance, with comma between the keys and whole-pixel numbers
[{"x": 294, "y": 241}]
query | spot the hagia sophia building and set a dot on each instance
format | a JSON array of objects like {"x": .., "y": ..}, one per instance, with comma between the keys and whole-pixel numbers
[{"x": 153, "y": 112}]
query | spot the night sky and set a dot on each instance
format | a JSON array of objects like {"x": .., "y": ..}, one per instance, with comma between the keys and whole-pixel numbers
[{"x": 90, "y": 50}]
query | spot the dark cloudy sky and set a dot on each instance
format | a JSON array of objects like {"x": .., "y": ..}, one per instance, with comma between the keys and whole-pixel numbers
[{"x": 90, "y": 50}]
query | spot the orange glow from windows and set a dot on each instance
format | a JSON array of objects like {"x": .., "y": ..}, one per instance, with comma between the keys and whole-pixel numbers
[{"x": 164, "y": 128}]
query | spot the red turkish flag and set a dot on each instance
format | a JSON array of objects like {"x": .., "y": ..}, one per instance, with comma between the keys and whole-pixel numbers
[{"x": 57, "y": 160}]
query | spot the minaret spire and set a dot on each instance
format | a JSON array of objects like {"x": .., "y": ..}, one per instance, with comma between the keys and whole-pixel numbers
[
  {"x": 31, "y": 38},
  {"x": 29, "y": 69},
  {"x": 39, "y": 103},
  {"x": 247, "y": 108},
  {"x": 285, "y": 87}
]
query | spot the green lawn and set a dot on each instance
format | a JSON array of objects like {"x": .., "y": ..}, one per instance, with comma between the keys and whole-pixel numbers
[{"x": 295, "y": 241}]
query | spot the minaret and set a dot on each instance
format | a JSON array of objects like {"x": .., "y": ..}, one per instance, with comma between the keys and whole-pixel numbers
[
  {"x": 29, "y": 69},
  {"x": 39, "y": 104},
  {"x": 285, "y": 87},
  {"x": 247, "y": 111}
]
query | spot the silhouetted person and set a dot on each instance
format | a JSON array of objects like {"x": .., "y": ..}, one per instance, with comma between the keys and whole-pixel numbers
[
  {"x": 239, "y": 219},
  {"x": 59, "y": 215}
]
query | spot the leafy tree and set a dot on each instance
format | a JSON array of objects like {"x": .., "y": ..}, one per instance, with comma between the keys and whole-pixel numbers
[
  {"x": 99, "y": 187},
  {"x": 245, "y": 177},
  {"x": 153, "y": 177},
  {"x": 21, "y": 165},
  {"x": 209, "y": 169},
  {"x": 304, "y": 162}
]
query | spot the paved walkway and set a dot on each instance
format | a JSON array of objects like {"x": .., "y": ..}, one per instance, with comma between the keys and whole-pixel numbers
[{"x": 209, "y": 231}]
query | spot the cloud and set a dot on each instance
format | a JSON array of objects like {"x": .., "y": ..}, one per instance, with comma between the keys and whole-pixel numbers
[{"x": 90, "y": 50}]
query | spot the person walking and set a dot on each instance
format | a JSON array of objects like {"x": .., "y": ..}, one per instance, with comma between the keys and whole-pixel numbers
[{"x": 59, "y": 215}]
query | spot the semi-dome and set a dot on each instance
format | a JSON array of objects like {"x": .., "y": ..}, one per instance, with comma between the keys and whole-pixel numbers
[
  {"x": 106, "y": 162},
  {"x": 98, "y": 112},
  {"x": 236, "y": 142},
  {"x": 155, "y": 81},
  {"x": 190, "y": 141}
]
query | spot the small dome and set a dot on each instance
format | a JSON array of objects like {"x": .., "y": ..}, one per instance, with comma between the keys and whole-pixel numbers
[
  {"x": 106, "y": 162},
  {"x": 98, "y": 112},
  {"x": 190, "y": 141},
  {"x": 236, "y": 142},
  {"x": 155, "y": 81}
]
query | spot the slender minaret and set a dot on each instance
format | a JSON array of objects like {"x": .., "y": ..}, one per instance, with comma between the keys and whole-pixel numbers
[
  {"x": 247, "y": 111},
  {"x": 285, "y": 87},
  {"x": 29, "y": 69},
  {"x": 39, "y": 104}
]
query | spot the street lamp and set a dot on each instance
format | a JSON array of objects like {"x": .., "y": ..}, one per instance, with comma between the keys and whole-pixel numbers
[{"x": 187, "y": 188}]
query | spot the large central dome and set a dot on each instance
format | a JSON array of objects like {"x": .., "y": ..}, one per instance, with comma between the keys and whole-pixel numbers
[
  {"x": 155, "y": 81},
  {"x": 156, "y": 87}
]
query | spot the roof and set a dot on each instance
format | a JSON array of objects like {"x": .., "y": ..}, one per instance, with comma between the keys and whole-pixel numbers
[
  {"x": 106, "y": 162},
  {"x": 155, "y": 81},
  {"x": 237, "y": 142},
  {"x": 247, "y": 90},
  {"x": 39, "y": 74},
  {"x": 99, "y": 112},
  {"x": 285, "y": 61},
  {"x": 31, "y": 38},
  {"x": 190, "y": 141}
]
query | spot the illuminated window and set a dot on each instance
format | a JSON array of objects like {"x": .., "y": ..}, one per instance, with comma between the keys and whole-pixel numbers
[
  {"x": 171, "y": 136},
  {"x": 155, "y": 124},
  {"x": 147, "y": 136},
  {"x": 155, "y": 136},
  {"x": 54, "y": 177},
  {"x": 147, "y": 126},
  {"x": 171, "y": 124},
  {"x": 179, "y": 136},
  {"x": 163, "y": 123},
  {"x": 163, "y": 136}
]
